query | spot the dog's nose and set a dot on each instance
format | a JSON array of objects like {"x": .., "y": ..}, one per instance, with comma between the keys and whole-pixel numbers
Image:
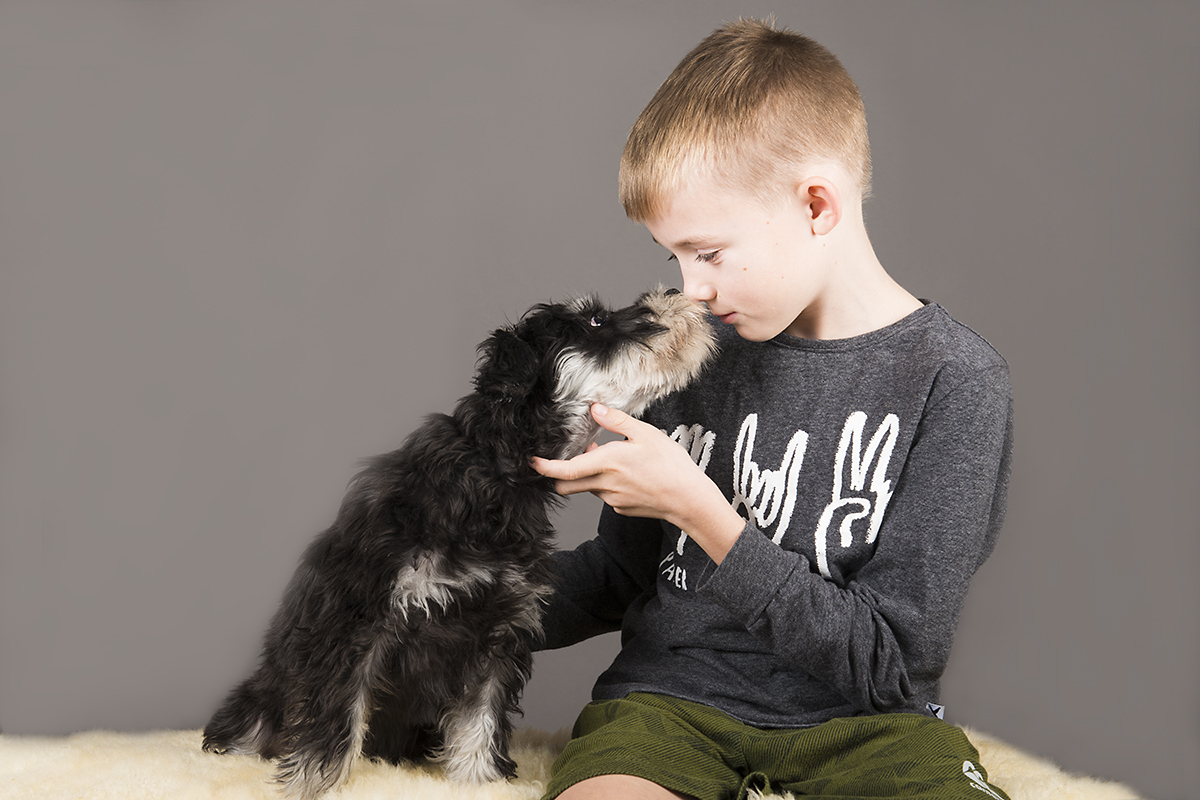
[{"x": 671, "y": 291}]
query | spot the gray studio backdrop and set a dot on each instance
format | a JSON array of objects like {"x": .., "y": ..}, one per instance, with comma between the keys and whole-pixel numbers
[{"x": 245, "y": 243}]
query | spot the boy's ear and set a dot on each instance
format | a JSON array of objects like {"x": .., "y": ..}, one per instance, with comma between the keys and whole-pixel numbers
[
  {"x": 822, "y": 202},
  {"x": 508, "y": 366}
]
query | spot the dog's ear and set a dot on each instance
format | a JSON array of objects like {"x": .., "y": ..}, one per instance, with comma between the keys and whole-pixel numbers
[{"x": 508, "y": 366}]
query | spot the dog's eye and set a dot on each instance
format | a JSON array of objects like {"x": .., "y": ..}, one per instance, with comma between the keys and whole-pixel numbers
[{"x": 596, "y": 321}]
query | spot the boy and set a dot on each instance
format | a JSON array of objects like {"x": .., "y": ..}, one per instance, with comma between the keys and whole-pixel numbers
[{"x": 787, "y": 582}]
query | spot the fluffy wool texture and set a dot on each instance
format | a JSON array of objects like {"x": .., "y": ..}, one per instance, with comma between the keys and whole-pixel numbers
[{"x": 170, "y": 764}]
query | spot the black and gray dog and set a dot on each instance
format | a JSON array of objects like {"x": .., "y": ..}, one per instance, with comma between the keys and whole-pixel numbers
[{"x": 406, "y": 631}]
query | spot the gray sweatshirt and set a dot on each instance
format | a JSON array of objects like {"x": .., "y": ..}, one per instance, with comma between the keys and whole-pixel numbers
[{"x": 872, "y": 472}]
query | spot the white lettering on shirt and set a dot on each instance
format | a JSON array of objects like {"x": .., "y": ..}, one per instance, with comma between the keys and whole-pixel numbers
[
  {"x": 769, "y": 496},
  {"x": 881, "y": 444}
]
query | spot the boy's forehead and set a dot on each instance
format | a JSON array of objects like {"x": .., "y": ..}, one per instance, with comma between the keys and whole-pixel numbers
[
  {"x": 676, "y": 231},
  {"x": 699, "y": 215},
  {"x": 689, "y": 215}
]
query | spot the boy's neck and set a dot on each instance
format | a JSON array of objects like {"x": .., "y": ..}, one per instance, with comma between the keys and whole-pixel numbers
[{"x": 859, "y": 296}]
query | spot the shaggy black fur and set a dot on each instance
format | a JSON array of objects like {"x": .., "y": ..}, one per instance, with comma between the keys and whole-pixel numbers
[{"x": 406, "y": 631}]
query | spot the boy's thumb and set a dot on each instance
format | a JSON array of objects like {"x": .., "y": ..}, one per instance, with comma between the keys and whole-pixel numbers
[{"x": 611, "y": 419}]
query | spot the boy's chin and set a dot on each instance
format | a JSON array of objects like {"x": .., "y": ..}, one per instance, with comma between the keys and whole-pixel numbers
[{"x": 754, "y": 333}]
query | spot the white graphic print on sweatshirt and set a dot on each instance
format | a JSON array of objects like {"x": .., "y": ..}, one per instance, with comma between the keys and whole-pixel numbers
[
  {"x": 767, "y": 496},
  {"x": 850, "y": 447}
]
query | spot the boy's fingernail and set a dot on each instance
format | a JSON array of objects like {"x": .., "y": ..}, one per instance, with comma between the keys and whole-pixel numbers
[{"x": 600, "y": 409}]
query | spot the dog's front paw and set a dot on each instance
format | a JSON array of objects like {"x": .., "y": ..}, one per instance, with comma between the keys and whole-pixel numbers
[
  {"x": 308, "y": 775},
  {"x": 506, "y": 766},
  {"x": 479, "y": 766}
]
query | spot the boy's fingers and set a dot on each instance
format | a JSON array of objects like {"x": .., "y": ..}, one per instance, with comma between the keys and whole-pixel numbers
[
  {"x": 546, "y": 467},
  {"x": 615, "y": 420},
  {"x": 576, "y": 468},
  {"x": 568, "y": 477}
]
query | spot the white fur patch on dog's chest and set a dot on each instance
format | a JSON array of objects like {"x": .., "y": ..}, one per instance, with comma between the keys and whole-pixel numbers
[{"x": 428, "y": 587}]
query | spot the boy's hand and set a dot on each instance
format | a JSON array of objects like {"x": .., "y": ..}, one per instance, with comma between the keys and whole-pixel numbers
[
  {"x": 648, "y": 475},
  {"x": 639, "y": 476}
]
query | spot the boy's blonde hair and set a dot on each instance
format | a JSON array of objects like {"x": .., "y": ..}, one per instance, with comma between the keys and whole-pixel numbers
[{"x": 750, "y": 106}]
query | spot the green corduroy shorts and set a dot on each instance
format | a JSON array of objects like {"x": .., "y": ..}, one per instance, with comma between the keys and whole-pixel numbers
[{"x": 701, "y": 752}]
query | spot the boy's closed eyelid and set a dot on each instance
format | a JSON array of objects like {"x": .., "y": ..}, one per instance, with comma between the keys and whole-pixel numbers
[{"x": 707, "y": 258}]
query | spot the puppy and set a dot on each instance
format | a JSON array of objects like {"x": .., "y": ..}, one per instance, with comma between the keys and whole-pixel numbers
[{"x": 406, "y": 631}]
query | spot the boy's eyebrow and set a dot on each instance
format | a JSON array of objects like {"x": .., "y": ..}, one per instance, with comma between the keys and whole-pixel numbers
[{"x": 692, "y": 243}]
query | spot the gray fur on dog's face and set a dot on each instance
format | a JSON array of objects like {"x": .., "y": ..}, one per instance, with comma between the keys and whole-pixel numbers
[
  {"x": 635, "y": 373},
  {"x": 624, "y": 358}
]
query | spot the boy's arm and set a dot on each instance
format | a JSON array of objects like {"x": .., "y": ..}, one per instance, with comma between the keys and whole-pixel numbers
[
  {"x": 883, "y": 639},
  {"x": 596, "y": 582}
]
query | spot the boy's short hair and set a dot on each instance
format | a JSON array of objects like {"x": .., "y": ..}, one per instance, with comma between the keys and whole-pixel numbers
[{"x": 750, "y": 106}]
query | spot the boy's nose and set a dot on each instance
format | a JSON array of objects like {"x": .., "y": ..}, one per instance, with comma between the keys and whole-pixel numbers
[{"x": 698, "y": 292}]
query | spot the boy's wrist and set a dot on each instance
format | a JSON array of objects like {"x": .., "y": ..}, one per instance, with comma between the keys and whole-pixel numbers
[{"x": 712, "y": 523}]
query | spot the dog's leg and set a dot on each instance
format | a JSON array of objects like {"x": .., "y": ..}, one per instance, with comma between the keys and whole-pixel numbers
[
  {"x": 247, "y": 722},
  {"x": 326, "y": 735},
  {"x": 323, "y": 745},
  {"x": 475, "y": 731},
  {"x": 477, "y": 727}
]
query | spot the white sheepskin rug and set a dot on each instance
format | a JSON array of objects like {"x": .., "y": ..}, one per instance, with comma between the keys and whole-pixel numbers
[{"x": 170, "y": 764}]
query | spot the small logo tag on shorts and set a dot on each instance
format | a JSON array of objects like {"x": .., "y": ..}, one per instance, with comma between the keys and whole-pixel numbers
[
  {"x": 976, "y": 777},
  {"x": 936, "y": 710}
]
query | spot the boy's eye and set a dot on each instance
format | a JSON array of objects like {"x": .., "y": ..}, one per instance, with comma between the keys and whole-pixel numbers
[{"x": 707, "y": 258}]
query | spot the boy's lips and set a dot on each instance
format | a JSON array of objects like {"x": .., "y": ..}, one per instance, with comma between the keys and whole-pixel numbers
[{"x": 725, "y": 316}]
